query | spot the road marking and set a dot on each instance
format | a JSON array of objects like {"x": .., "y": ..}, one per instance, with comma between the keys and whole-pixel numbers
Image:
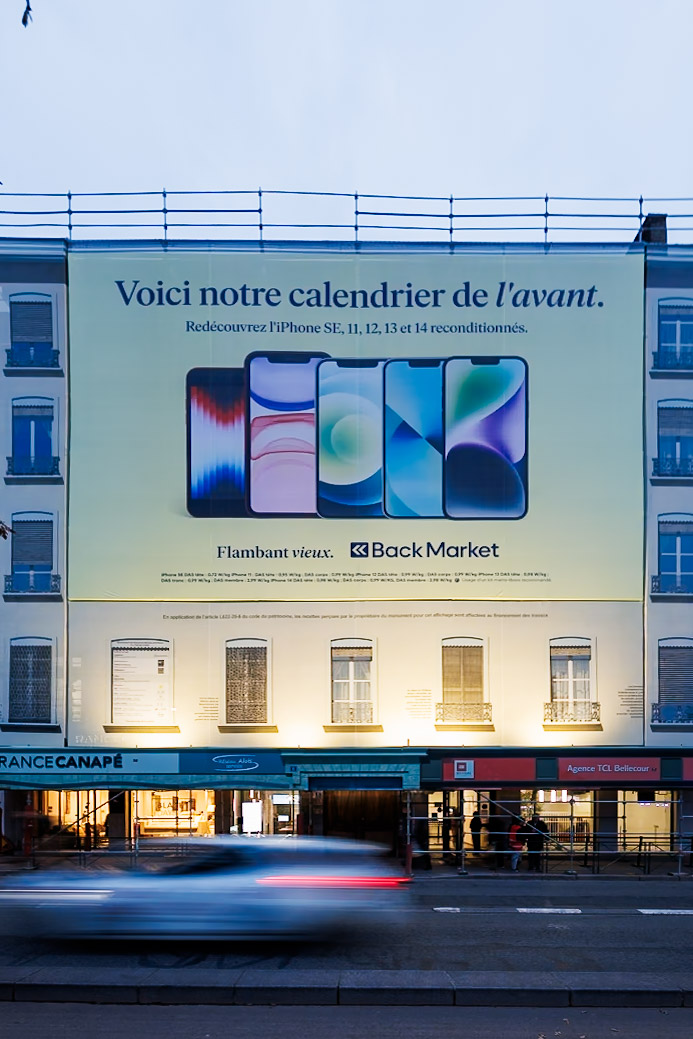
[
  {"x": 446, "y": 909},
  {"x": 549, "y": 910},
  {"x": 666, "y": 912}
]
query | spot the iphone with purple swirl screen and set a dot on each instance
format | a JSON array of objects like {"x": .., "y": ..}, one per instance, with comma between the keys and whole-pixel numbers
[{"x": 485, "y": 465}]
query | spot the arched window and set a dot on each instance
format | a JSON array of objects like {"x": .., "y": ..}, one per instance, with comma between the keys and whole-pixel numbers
[
  {"x": 675, "y": 681},
  {"x": 33, "y": 451},
  {"x": 31, "y": 331},
  {"x": 31, "y": 680},
  {"x": 675, "y": 545},
  {"x": 571, "y": 681},
  {"x": 352, "y": 701},
  {"x": 246, "y": 678}
]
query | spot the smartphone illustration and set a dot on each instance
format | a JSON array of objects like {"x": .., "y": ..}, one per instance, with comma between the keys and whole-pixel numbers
[
  {"x": 281, "y": 448},
  {"x": 485, "y": 463},
  {"x": 350, "y": 438},
  {"x": 216, "y": 442},
  {"x": 413, "y": 448}
]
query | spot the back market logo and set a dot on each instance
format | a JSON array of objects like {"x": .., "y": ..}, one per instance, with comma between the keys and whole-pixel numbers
[
  {"x": 420, "y": 550},
  {"x": 359, "y": 549}
]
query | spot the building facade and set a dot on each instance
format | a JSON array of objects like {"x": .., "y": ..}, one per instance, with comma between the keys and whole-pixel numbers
[{"x": 325, "y": 539}]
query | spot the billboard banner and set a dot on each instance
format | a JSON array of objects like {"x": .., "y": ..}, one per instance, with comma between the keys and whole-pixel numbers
[{"x": 309, "y": 425}]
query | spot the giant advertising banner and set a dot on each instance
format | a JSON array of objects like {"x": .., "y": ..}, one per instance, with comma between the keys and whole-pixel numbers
[{"x": 311, "y": 425}]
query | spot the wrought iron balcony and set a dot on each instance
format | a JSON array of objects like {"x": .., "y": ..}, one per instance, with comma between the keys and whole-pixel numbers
[
  {"x": 32, "y": 355},
  {"x": 672, "y": 714},
  {"x": 671, "y": 360},
  {"x": 345, "y": 712},
  {"x": 670, "y": 584},
  {"x": 32, "y": 583},
  {"x": 672, "y": 466},
  {"x": 464, "y": 713},
  {"x": 571, "y": 712},
  {"x": 25, "y": 465}
]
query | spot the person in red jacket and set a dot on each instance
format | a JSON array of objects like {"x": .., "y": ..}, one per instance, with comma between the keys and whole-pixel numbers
[{"x": 515, "y": 843}]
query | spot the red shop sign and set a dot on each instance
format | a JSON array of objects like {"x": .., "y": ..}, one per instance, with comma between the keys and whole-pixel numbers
[
  {"x": 612, "y": 770},
  {"x": 489, "y": 770}
]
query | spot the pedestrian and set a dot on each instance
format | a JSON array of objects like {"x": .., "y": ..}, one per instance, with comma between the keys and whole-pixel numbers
[
  {"x": 515, "y": 843},
  {"x": 536, "y": 830},
  {"x": 475, "y": 825},
  {"x": 498, "y": 838}
]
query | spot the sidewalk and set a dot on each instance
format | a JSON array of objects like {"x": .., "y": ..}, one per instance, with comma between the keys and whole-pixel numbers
[{"x": 348, "y": 987}]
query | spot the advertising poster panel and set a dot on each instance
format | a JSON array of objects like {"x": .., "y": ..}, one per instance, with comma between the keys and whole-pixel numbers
[{"x": 295, "y": 425}]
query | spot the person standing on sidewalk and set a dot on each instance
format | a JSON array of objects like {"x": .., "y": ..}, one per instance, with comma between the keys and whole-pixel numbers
[
  {"x": 475, "y": 825},
  {"x": 515, "y": 843},
  {"x": 536, "y": 830}
]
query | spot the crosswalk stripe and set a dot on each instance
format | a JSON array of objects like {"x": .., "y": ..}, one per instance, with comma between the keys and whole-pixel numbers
[
  {"x": 666, "y": 912},
  {"x": 535, "y": 910}
]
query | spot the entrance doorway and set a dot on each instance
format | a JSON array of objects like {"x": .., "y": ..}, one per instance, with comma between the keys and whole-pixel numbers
[{"x": 368, "y": 815}]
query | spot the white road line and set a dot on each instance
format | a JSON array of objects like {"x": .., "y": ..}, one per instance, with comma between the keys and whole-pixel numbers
[
  {"x": 666, "y": 912},
  {"x": 446, "y": 909},
  {"x": 549, "y": 910}
]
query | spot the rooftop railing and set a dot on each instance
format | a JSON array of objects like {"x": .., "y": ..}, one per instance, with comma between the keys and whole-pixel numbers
[{"x": 261, "y": 215}]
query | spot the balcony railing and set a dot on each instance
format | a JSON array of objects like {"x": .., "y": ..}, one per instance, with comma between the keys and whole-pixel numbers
[
  {"x": 25, "y": 465},
  {"x": 571, "y": 712},
  {"x": 32, "y": 355},
  {"x": 464, "y": 713},
  {"x": 670, "y": 584},
  {"x": 246, "y": 713},
  {"x": 354, "y": 712},
  {"x": 32, "y": 584},
  {"x": 672, "y": 467},
  {"x": 673, "y": 360},
  {"x": 672, "y": 714}
]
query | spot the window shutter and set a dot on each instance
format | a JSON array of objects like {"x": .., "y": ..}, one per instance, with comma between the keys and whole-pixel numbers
[
  {"x": 32, "y": 544},
  {"x": 31, "y": 322},
  {"x": 675, "y": 674},
  {"x": 30, "y": 683}
]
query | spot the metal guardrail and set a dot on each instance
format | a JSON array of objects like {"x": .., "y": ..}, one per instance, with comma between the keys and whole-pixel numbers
[{"x": 262, "y": 215}]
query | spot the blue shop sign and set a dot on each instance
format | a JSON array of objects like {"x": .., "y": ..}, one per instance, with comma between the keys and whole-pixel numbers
[{"x": 221, "y": 762}]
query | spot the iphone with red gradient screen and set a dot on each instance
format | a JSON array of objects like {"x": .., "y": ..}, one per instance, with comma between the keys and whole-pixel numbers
[{"x": 216, "y": 435}]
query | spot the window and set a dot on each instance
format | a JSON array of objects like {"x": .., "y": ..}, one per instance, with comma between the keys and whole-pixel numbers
[
  {"x": 571, "y": 663},
  {"x": 463, "y": 682},
  {"x": 352, "y": 660},
  {"x": 674, "y": 438},
  {"x": 31, "y": 331},
  {"x": 675, "y": 673},
  {"x": 32, "y": 556},
  {"x": 31, "y": 670},
  {"x": 141, "y": 682},
  {"x": 32, "y": 438},
  {"x": 246, "y": 681},
  {"x": 675, "y": 555},
  {"x": 675, "y": 336}
]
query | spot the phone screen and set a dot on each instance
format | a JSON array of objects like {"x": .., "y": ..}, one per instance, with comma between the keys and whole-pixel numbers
[
  {"x": 350, "y": 438},
  {"x": 216, "y": 442},
  {"x": 485, "y": 437},
  {"x": 413, "y": 448},
  {"x": 281, "y": 449}
]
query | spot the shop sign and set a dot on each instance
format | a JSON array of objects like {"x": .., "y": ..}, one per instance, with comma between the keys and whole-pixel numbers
[
  {"x": 16, "y": 763},
  {"x": 489, "y": 770},
  {"x": 609, "y": 769},
  {"x": 210, "y": 762}
]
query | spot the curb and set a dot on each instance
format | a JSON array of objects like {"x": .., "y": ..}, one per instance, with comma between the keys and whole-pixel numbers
[{"x": 169, "y": 986}]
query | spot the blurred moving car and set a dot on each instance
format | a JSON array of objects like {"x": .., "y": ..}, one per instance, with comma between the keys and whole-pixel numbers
[{"x": 219, "y": 887}]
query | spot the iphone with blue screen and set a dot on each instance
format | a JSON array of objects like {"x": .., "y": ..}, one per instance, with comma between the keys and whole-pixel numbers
[
  {"x": 215, "y": 401},
  {"x": 485, "y": 455},
  {"x": 350, "y": 438},
  {"x": 413, "y": 448}
]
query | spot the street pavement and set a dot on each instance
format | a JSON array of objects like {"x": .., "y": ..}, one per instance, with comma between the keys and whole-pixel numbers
[{"x": 478, "y": 940}]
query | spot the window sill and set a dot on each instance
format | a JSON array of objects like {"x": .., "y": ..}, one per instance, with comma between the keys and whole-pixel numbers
[
  {"x": 32, "y": 479},
  {"x": 249, "y": 727},
  {"x": 352, "y": 728},
  {"x": 671, "y": 596},
  {"x": 671, "y": 373},
  {"x": 33, "y": 597},
  {"x": 672, "y": 726},
  {"x": 465, "y": 727},
  {"x": 573, "y": 727},
  {"x": 35, "y": 371},
  {"x": 29, "y": 727},
  {"x": 141, "y": 728}
]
